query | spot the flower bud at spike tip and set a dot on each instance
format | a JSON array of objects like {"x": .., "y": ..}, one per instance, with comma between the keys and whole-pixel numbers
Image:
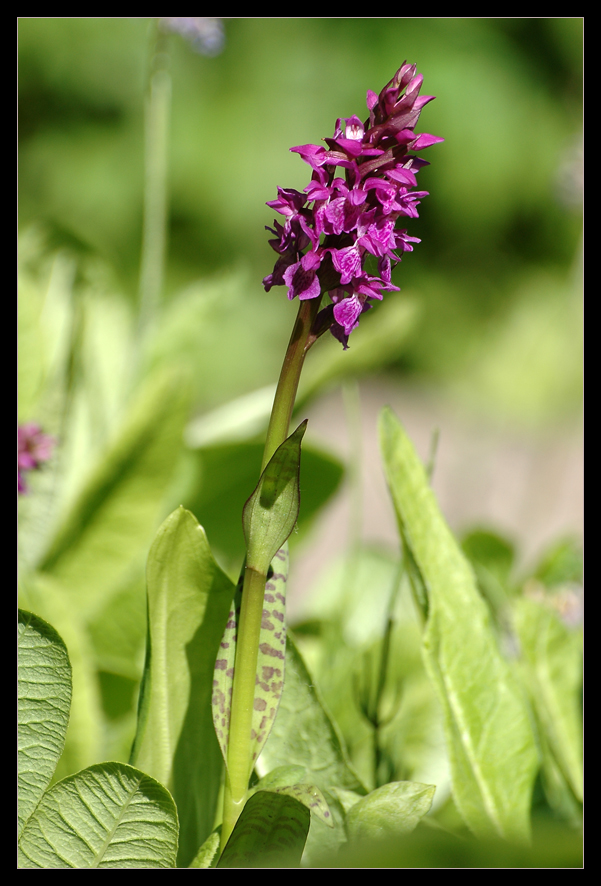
[{"x": 361, "y": 185}]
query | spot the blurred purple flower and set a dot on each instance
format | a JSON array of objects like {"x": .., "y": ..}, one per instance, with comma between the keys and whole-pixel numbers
[
  {"x": 205, "y": 34},
  {"x": 34, "y": 448},
  {"x": 342, "y": 220}
]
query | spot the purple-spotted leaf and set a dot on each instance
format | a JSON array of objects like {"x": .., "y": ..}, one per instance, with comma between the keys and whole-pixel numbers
[
  {"x": 286, "y": 780},
  {"x": 270, "y": 514},
  {"x": 269, "y": 680},
  {"x": 312, "y": 798}
]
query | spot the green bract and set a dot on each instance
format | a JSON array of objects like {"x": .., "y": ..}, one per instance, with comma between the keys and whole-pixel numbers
[{"x": 271, "y": 512}]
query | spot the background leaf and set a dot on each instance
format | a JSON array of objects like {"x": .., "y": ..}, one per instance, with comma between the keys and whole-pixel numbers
[
  {"x": 393, "y": 809},
  {"x": 44, "y": 701},
  {"x": 107, "y": 816},
  {"x": 270, "y": 833},
  {"x": 305, "y": 735},
  {"x": 188, "y": 602},
  {"x": 109, "y": 523},
  {"x": 553, "y": 846},
  {"x": 487, "y": 722},
  {"x": 341, "y": 641},
  {"x": 208, "y": 854},
  {"x": 552, "y": 654}
]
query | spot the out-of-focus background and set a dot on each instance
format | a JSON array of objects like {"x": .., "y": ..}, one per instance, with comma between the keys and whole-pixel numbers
[{"x": 482, "y": 343}]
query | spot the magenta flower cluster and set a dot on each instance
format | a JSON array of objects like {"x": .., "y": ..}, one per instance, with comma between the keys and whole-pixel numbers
[
  {"x": 34, "y": 448},
  {"x": 362, "y": 183}
]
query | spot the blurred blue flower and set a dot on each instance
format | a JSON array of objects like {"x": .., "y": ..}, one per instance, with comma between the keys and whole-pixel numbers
[{"x": 205, "y": 34}]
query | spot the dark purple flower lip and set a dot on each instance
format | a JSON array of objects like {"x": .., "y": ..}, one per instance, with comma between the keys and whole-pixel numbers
[{"x": 361, "y": 184}]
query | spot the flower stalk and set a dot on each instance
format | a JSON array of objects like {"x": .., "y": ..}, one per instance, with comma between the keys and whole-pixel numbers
[
  {"x": 361, "y": 185},
  {"x": 301, "y": 340}
]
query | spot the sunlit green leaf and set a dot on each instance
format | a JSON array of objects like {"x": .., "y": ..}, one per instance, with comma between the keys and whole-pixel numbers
[
  {"x": 208, "y": 853},
  {"x": 490, "y": 740},
  {"x": 46, "y": 596},
  {"x": 110, "y": 522},
  {"x": 393, "y": 809},
  {"x": 44, "y": 700},
  {"x": 107, "y": 816},
  {"x": 553, "y": 656},
  {"x": 188, "y": 602},
  {"x": 271, "y": 832}
]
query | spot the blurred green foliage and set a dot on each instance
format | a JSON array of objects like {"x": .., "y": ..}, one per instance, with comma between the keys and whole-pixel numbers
[{"x": 497, "y": 272}]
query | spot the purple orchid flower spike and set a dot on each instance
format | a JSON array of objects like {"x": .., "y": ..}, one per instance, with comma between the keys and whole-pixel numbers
[{"x": 360, "y": 186}]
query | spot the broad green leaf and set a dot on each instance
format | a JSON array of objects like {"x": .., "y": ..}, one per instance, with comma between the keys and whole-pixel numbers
[
  {"x": 270, "y": 833},
  {"x": 305, "y": 735},
  {"x": 393, "y": 809},
  {"x": 553, "y": 657},
  {"x": 188, "y": 602},
  {"x": 109, "y": 524},
  {"x": 208, "y": 853},
  {"x": 270, "y": 514},
  {"x": 44, "y": 699},
  {"x": 489, "y": 736},
  {"x": 43, "y": 594},
  {"x": 108, "y": 816},
  {"x": 270, "y": 660}
]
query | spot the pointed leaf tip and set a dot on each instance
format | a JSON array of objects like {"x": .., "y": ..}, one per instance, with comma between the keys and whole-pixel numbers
[{"x": 270, "y": 514}]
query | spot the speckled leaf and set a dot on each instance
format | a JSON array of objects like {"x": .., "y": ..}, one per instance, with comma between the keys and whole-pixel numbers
[
  {"x": 286, "y": 780},
  {"x": 270, "y": 833},
  {"x": 270, "y": 514},
  {"x": 270, "y": 663},
  {"x": 107, "y": 816},
  {"x": 44, "y": 699},
  {"x": 312, "y": 798}
]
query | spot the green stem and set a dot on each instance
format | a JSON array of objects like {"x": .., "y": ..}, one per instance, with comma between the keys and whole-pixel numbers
[
  {"x": 154, "y": 236},
  {"x": 239, "y": 761},
  {"x": 239, "y": 764},
  {"x": 285, "y": 395}
]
